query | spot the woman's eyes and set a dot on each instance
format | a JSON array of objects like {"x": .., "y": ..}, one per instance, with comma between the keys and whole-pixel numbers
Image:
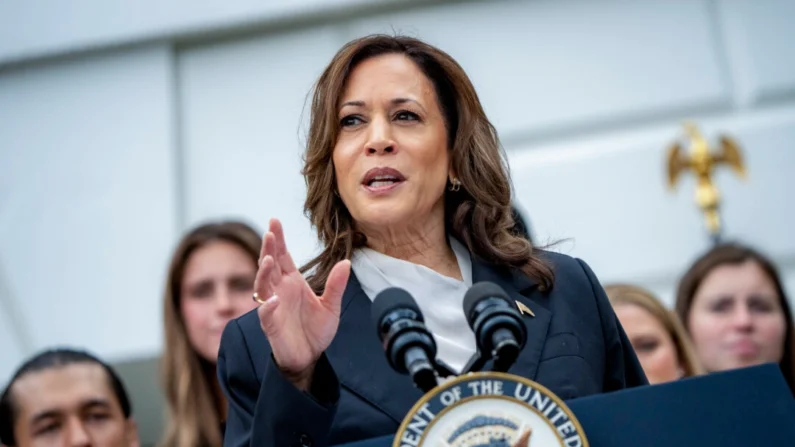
[
  {"x": 721, "y": 305},
  {"x": 202, "y": 290},
  {"x": 761, "y": 305},
  {"x": 405, "y": 115},
  {"x": 645, "y": 345},
  {"x": 754, "y": 304},
  {"x": 350, "y": 120},
  {"x": 355, "y": 120},
  {"x": 241, "y": 284}
]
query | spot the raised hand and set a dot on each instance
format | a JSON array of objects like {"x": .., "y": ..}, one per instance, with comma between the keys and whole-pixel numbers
[{"x": 298, "y": 323}]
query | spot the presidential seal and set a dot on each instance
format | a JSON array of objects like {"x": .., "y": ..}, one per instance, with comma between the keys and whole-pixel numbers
[{"x": 490, "y": 409}]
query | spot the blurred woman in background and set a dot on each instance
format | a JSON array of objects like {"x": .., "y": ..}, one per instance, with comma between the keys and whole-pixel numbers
[
  {"x": 210, "y": 281},
  {"x": 733, "y": 304},
  {"x": 658, "y": 337}
]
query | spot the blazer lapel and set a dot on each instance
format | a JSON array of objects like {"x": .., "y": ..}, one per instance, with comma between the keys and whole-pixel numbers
[
  {"x": 520, "y": 289},
  {"x": 360, "y": 362}
]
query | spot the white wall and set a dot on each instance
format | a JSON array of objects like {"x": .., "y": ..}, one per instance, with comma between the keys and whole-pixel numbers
[
  {"x": 627, "y": 224},
  {"x": 34, "y": 29},
  {"x": 246, "y": 160},
  {"x": 544, "y": 67},
  {"x": 106, "y": 156},
  {"x": 87, "y": 214}
]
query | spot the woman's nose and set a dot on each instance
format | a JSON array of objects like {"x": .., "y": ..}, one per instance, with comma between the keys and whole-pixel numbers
[
  {"x": 742, "y": 318},
  {"x": 380, "y": 139},
  {"x": 223, "y": 302}
]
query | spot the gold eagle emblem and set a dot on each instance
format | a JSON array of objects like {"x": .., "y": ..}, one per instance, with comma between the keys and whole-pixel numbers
[{"x": 702, "y": 162}]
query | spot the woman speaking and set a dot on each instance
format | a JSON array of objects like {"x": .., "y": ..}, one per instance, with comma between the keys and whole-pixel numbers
[{"x": 407, "y": 187}]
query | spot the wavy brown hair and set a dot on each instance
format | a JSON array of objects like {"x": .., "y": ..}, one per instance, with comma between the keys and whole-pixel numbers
[
  {"x": 195, "y": 404},
  {"x": 627, "y": 294},
  {"x": 479, "y": 214},
  {"x": 732, "y": 253}
]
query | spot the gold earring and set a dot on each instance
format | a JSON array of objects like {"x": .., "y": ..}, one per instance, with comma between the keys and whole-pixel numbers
[{"x": 455, "y": 185}]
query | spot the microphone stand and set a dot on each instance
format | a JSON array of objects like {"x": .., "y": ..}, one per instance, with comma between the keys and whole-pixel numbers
[{"x": 475, "y": 364}]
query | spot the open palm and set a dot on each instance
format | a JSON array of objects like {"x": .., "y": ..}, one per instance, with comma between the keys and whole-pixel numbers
[{"x": 298, "y": 323}]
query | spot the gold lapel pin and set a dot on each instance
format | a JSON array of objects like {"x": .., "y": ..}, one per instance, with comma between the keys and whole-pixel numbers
[{"x": 524, "y": 309}]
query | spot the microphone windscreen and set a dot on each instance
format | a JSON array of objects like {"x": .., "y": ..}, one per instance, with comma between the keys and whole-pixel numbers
[
  {"x": 390, "y": 299},
  {"x": 480, "y": 291}
]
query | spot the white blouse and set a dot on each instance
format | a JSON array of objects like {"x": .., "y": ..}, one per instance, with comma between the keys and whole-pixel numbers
[{"x": 439, "y": 297}]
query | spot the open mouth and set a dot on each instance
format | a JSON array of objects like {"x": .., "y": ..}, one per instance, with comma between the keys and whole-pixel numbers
[{"x": 381, "y": 179}]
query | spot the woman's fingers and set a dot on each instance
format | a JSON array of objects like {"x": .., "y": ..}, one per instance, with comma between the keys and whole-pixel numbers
[
  {"x": 335, "y": 285},
  {"x": 274, "y": 261},
  {"x": 265, "y": 312},
  {"x": 271, "y": 249},
  {"x": 275, "y": 227},
  {"x": 282, "y": 256},
  {"x": 262, "y": 282},
  {"x": 273, "y": 275},
  {"x": 262, "y": 252}
]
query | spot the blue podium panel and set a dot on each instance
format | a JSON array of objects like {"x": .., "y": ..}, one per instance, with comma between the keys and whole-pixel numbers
[
  {"x": 385, "y": 441},
  {"x": 749, "y": 406}
]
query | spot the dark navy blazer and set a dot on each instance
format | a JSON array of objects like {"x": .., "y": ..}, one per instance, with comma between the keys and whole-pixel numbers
[{"x": 575, "y": 347}]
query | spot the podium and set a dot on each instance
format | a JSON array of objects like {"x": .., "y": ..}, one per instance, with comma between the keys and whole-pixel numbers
[{"x": 745, "y": 407}]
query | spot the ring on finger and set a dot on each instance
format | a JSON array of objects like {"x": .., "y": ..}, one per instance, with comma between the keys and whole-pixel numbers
[{"x": 256, "y": 298}]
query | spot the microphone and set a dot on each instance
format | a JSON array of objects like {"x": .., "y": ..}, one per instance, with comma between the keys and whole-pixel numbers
[
  {"x": 499, "y": 330},
  {"x": 409, "y": 346}
]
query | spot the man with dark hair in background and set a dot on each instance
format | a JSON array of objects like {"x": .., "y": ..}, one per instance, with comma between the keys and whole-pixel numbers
[{"x": 64, "y": 397}]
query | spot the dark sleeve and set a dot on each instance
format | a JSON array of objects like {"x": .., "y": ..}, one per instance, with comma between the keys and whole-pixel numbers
[
  {"x": 622, "y": 368},
  {"x": 272, "y": 412}
]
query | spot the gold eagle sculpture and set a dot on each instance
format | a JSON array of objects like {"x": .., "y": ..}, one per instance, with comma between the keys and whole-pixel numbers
[{"x": 702, "y": 162}]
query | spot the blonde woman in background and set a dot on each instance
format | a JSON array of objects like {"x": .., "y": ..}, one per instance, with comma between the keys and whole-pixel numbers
[
  {"x": 210, "y": 281},
  {"x": 658, "y": 337}
]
